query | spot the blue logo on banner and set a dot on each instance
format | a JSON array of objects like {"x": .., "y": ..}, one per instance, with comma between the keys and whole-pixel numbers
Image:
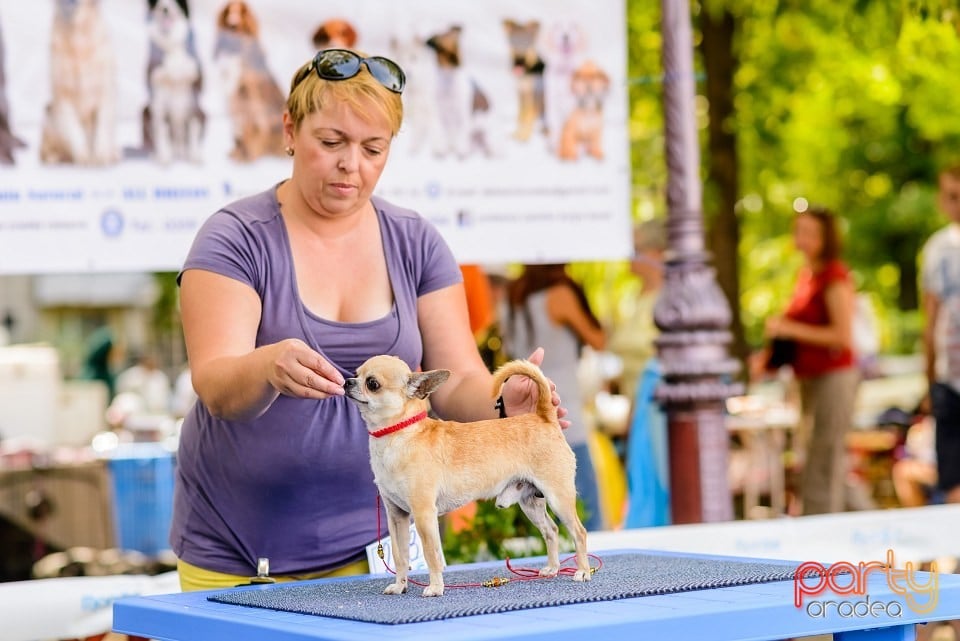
[{"x": 111, "y": 223}]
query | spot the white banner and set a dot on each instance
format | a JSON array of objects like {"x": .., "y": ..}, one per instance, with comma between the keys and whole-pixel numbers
[
  {"x": 846, "y": 536},
  {"x": 515, "y": 146},
  {"x": 72, "y": 607}
]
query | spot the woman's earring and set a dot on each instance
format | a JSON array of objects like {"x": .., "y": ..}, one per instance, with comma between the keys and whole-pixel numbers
[{"x": 288, "y": 151}]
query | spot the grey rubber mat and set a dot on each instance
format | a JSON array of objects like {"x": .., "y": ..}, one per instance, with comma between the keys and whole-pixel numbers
[{"x": 623, "y": 576}]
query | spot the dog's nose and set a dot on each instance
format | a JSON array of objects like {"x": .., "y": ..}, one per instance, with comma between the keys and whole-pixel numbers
[{"x": 349, "y": 384}]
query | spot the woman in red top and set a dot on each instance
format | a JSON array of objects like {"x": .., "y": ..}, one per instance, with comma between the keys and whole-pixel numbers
[{"x": 820, "y": 320}]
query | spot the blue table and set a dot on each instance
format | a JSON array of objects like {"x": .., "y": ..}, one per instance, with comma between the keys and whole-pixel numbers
[{"x": 752, "y": 612}]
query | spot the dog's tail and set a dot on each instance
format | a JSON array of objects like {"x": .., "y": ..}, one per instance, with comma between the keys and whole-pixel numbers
[{"x": 522, "y": 367}]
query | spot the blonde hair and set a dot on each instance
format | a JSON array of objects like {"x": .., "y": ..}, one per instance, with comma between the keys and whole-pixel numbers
[{"x": 310, "y": 93}]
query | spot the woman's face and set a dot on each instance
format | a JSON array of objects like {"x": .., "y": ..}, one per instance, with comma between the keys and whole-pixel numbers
[
  {"x": 338, "y": 157},
  {"x": 948, "y": 197},
  {"x": 808, "y": 236}
]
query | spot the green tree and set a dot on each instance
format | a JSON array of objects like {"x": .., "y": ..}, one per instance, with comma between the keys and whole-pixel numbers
[{"x": 844, "y": 103}]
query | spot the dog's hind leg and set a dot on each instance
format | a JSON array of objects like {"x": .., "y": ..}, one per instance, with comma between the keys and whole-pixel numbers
[
  {"x": 564, "y": 505},
  {"x": 398, "y": 524},
  {"x": 534, "y": 505}
]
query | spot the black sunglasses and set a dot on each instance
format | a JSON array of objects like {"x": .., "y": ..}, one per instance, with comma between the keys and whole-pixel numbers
[{"x": 340, "y": 64}]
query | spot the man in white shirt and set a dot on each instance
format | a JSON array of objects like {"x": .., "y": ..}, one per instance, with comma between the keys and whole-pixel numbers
[
  {"x": 145, "y": 379},
  {"x": 941, "y": 335}
]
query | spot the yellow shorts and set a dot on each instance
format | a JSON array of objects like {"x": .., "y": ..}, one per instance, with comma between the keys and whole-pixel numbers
[{"x": 194, "y": 578}]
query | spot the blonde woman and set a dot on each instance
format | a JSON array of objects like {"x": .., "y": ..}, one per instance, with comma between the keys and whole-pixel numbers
[{"x": 283, "y": 295}]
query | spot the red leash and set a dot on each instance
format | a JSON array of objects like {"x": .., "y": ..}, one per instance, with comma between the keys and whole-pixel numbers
[{"x": 520, "y": 574}]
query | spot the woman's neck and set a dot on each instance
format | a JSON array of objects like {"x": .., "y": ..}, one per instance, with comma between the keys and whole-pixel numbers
[
  {"x": 817, "y": 265},
  {"x": 296, "y": 211}
]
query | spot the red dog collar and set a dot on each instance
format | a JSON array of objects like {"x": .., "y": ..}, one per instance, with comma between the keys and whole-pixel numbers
[{"x": 399, "y": 426}]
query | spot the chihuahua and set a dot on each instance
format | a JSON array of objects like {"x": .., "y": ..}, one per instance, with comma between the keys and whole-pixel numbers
[{"x": 425, "y": 467}]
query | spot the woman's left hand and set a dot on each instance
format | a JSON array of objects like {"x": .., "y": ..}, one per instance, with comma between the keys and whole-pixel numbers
[
  {"x": 773, "y": 327},
  {"x": 520, "y": 394}
]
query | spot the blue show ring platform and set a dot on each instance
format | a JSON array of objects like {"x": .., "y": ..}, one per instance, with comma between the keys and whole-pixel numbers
[
  {"x": 623, "y": 575},
  {"x": 756, "y": 611}
]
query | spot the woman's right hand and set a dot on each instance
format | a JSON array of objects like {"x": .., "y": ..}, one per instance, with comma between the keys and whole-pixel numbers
[
  {"x": 294, "y": 369},
  {"x": 233, "y": 377}
]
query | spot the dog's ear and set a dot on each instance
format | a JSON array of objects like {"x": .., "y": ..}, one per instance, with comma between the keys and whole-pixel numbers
[{"x": 423, "y": 384}]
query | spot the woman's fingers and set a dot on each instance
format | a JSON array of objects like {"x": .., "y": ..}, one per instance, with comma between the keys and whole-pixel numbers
[
  {"x": 536, "y": 357},
  {"x": 300, "y": 371}
]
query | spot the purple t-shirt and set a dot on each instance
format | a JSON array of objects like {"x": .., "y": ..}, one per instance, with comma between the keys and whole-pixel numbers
[{"x": 294, "y": 485}]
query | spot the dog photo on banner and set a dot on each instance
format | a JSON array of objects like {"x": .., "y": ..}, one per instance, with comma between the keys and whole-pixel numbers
[{"x": 125, "y": 123}]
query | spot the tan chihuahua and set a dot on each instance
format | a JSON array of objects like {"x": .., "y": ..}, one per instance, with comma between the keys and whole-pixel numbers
[{"x": 425, "y": 467}]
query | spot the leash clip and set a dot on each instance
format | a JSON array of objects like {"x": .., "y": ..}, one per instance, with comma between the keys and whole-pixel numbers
[{"x": 263, "y": 572}]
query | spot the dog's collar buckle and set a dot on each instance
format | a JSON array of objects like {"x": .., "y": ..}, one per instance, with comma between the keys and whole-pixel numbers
[{"x": 416, "y": 418}]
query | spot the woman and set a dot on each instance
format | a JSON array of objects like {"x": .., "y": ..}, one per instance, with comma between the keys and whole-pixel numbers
[
  {"x": 546, "y": 307},
  {"x": 819, "y": 320},
  {"x": 283, "y": 295}
]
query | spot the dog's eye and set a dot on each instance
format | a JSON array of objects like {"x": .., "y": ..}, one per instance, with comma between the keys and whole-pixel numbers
[{"x": 373, "y": 384}]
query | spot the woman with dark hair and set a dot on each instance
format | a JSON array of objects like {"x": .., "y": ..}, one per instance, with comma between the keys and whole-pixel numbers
[
  {"x": 549, "y": 309},
  {"x": 819, "y": 320}
]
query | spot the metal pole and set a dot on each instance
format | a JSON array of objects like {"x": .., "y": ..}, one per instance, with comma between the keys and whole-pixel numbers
[{"x": 691, "y": 312}]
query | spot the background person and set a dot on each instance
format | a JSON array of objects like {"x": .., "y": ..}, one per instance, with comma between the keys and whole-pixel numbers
[
  {"x": 915, "y": 474},
  {"x": 98, "y": 360},
  {"x": 548, "y": 308},
  {"x": 941, "y": 334},
  {"x": 643, "y": 448},
  {"x": 145, "y": 379},
  {"x": 819, "y": 319},
  {"x": 283, "y": 295}
]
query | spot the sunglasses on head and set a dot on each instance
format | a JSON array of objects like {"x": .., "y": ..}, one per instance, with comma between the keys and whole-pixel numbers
[{"x": 340, "y": 64}]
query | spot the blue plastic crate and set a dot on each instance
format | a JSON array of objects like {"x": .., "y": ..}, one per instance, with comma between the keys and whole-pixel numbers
[{"x": 142, "y": 480}]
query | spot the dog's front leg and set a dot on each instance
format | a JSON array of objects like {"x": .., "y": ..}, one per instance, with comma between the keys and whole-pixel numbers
[
  {"x": 162, "y": 145},
  {"x": 194, "y": 136},
  {"x": 105, "y": 150},
  {"x": 71, "y": 128},
  {"x": 595, "y": 137},
  {"x": 398, "y": 525},
  {"x": 426, "y": 518},
  {"x": 160, "y": 118}
]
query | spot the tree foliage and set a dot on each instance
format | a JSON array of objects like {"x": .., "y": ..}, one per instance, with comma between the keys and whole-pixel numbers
[{"x": 844, "y": 103}]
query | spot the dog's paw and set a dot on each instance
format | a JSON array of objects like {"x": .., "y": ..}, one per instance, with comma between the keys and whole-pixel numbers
[
  {"x": 396, "y": 588},
  {"x": 549, "y": 570},
  {"x": 433, "y": 590},
  {"x": 582, "y": 575}
]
